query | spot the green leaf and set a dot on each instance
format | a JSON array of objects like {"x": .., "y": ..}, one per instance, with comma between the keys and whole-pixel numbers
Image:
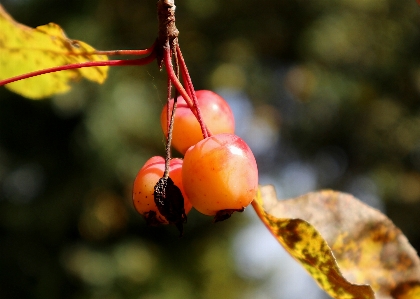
[
  {"x": 344, "y": 244},
  {"x": 24, "y": 49}
]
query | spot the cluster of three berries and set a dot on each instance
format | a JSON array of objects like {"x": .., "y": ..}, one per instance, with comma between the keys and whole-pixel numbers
[{"x": 218, "y": 174}]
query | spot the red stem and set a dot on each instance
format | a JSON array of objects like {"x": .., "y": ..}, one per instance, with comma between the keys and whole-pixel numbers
[
  {"x": 185, "y": 75},
  {"x": 171, "y": 74},
  {"x": 140, "y": 61},
  {"x": 194, "y": 109},
  {"x": 190, "y": 89}
]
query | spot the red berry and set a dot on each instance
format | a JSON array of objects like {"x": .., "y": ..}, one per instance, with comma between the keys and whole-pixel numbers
[
  {"x": 220, "y": 175},
  {"x": 215, "y": 112},
  {"x": 144, "y": 184}
]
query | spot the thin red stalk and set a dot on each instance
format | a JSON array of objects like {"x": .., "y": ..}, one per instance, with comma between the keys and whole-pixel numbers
[
  {"x": 187, "y": 87},
  {"x": 190, "y": 89},
  {"x": 140, "y": 61},
  {"x": 182, "y": 91},
  {"x": 185, "y": 74},
  {"x": 171, "y": 74}
]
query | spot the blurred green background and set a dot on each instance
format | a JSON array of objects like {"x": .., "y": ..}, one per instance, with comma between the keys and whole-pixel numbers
[{"x": 326, "y": 92}]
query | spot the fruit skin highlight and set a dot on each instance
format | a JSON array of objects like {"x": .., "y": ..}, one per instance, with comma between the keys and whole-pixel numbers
[
  {"x": 220, "y": 174},
  {"x": 145, "y": 182},
  {"x": 215, "y": 112}
]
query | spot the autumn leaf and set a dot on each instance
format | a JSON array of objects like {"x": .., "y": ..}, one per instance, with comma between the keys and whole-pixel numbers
[
  {"x": 24, "y": 49},
  {"x": 339, "y": 240}
]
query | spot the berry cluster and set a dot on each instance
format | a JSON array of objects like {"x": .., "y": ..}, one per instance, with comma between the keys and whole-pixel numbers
[{"x": 217, "y": 176}]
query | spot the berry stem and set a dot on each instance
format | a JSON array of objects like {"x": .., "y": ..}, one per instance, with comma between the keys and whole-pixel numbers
[
  {"x": 175, "y": 81},
  {"x": 171, "y": 120},
  {"x": 171, "y": 74},
  {"x": 169, "y": 137},
  {"x": 140, "y": 61},
  {"x": 170, "y": 129},
  {"x": 190, "y": 89}
]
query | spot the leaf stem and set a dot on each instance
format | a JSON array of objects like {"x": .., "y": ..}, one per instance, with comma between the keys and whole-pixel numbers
[
  {"x": 140, "y": 61},
  {"x": 124, "y": 52}
]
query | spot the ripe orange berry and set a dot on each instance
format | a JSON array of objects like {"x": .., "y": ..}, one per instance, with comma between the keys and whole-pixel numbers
[
  {"x": 220, "y": 175},
  {"x": 144, "y": 185},
  {"x": 215, "y": 112}
]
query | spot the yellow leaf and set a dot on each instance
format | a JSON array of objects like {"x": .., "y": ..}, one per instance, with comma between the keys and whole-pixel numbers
[
  {"x": 306, "y": 245},
  {"x": 24, "y": 49},
  {"x": 339, "y": 239}
]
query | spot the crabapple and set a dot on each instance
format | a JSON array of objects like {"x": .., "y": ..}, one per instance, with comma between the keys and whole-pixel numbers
[
  {"x": 220, "y": 175},
  {"x": 144, "y": 188},
  {"x": 215, "y": 112}
]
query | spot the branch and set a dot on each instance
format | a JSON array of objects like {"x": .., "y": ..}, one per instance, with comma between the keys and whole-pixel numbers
[{"x": 168, "y": 33}]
